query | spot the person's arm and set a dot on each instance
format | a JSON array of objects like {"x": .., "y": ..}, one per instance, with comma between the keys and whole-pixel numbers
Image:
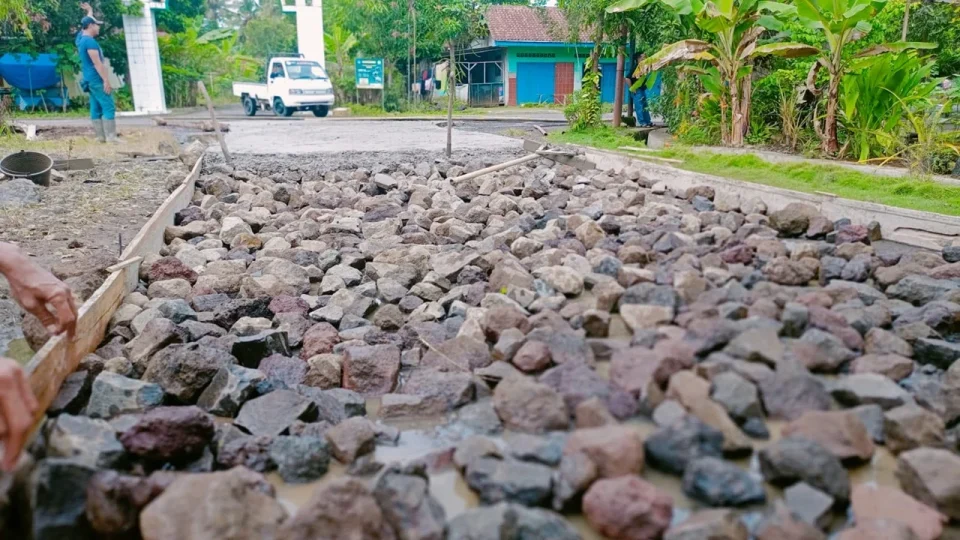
[
  {"x": 17, "y": 407},
  {"x": 101, "y": 69},
  {"x": 37, "y": 291},
  {"x": 85, "y": 6}
]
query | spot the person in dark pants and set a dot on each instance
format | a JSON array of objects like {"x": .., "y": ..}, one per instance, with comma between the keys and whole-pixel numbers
[
  {"x": 96, "y": 82},
  {"x": 640, "y": 110}
]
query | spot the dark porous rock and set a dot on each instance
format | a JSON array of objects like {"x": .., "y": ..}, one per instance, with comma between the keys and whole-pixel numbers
[
  {"x": 274, "y": 413},
  {"x": 576, "y": 382},
  {"x": 721, "y": 483},
  {"x": 525, "y": 405},
  {"x": 288, "y": 304},
  {"x": 408, "y": 507},
  {"x": 793, "y": 391},
  {"x": 794, "y": 219},
  {"x": 351, "y": 438},
  {"x": 184, "y": 371},
  {"x": 473, "y": 448},
  {"x": 937, "y": 352},
  {"x": 840, "y": 432},
  {"x": 238, "y": 503},
  {"x": 781, "y": 524},
  {"x": 170, "y": 268},
  {"x": 86, "y": 440},
  {"x": 247, "y": 451},
  {"x": 547, "y": 449},
  {"x": 720, "y": 524},
  {"x": 251, "y": 350},
  {"x": 867, "y": 389},
  {"x": 809, "y": 504},
  {"x": 112, "y": 395},
  {"x": 872, "y": 418},
  {"x": 169, "y": 435},
  {"x": 443, "y": 390},
  {"x": 319, "y": 339},
  {"x": 571, "y": 479},
  {"x": 932, "y": 476},
  {"x": 344, "y": 508},
  {"x": 911, "y": 426},
  {"x": 565, "y": 346},
  {"x": 738, "y": 395},
  {"x": 794, "y": 459},
  {"x": 497, "y": 480},
  {"x": 920, "y": 290},
  {"x": 461, "y": 353},
  {"x": 506, "y": 521},
  {"x": 300, "y": 459},
  {"x": 228, "y": 313},
  {"x": 57, "y": 495},
  {"x": 156, "y": 335},
  {"x": 673, "y": 447},
  {"x": 627, "y": 507},
  {"x": 73, "y": 394},
  {"x": 230, "y": 388},
  {"x": 371, "y": 370},
  {"x": 287, "y": 370},
  {"x": 114, "y": 500}
]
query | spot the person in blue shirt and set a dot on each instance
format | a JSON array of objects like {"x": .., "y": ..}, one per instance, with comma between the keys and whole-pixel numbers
[{"x": 95, "y": 79}]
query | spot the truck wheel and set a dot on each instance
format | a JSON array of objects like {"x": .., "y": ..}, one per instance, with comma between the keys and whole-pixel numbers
[
  {"x": 250, "y": 106},
  {"x": 280, "y": 109},
  {"x": 321, "y": 111}
]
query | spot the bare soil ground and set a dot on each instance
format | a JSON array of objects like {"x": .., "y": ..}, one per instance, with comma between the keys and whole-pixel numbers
[{"x": 89, "y": 213}]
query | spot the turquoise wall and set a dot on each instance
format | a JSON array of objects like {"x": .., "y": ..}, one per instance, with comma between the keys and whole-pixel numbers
[{"x": 561, "y": 53}]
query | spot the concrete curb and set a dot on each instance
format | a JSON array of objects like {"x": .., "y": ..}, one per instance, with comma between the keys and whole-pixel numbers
[
  {"x": 921, "y": 229},
  {"x": 512, "y": 119}
]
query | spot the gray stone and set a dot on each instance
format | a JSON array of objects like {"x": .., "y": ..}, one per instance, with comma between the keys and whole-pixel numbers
[
  {"x": 867, "y": 389},
  {"x": 497, "y": 480},
  {"x": 230, "y": 388},
  {"x": 113, "y": 395},
  {"x": 88, "y": 441},
  {"x": 721, "y": 483},
  {"x": 300, "y": 459},
  {"x": 275, "y": 412}
]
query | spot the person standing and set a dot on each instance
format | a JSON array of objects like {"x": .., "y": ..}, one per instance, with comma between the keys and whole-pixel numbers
[
  {"x": 640, "y": 110},
  {"x": 51, "y": 301},
  {"x": 96, "y": 81}
]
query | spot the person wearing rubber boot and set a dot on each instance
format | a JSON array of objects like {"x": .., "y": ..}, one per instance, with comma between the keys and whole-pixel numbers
[{"x": 96, "y": 81}]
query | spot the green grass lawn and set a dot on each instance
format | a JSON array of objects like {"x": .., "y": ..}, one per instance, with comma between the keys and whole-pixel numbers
[
  {"x": 376, "y": 111},
  {"x": 905, "y": 192}
]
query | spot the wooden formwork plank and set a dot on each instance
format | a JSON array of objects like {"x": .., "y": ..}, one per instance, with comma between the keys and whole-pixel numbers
[{"x": 47, "y": 370}]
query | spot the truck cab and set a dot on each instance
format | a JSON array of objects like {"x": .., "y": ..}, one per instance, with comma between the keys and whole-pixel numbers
[{"x": 293, "y": 84}]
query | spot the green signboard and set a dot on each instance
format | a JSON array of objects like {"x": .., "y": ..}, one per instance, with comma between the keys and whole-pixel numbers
[{"x": 369, "y": 73}]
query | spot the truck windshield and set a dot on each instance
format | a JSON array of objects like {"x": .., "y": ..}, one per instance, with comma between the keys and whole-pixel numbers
[{"x": 305, "y": 70}]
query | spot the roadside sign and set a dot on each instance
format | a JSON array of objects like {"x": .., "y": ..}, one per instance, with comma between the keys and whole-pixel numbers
[{"x": 369, "y": 73}]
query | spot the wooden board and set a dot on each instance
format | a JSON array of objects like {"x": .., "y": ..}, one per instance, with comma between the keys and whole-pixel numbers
[{"x": 59, "y": 358}]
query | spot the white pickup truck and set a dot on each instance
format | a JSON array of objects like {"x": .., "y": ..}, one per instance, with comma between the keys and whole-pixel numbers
[{"x": 293, "y": 84}]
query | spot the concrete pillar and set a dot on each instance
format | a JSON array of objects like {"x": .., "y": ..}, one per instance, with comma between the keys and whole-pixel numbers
[
  {"x": 309, "y": 28},
  {"x": 143, "y": 55}
]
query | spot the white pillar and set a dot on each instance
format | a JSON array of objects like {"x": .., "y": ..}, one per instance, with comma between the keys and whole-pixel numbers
[
  {"x": 309, "y": 27},
  {"x": 143, "y": 55}
]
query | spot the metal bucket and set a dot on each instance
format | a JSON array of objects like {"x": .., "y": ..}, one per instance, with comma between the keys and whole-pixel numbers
[{"x": 33, "y": 166}]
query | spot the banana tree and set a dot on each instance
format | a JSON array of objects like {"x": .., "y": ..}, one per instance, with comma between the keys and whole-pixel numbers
[
  {"x": 842, "y": 22},
  {"x": 732, "y": 29}
]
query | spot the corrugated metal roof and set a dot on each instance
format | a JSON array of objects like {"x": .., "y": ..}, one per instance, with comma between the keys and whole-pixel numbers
[{"x": 532, "y": 24}]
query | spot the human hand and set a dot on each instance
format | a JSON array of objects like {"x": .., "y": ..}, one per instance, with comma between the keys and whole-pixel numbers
[
  {"x": 87, "y": 8},
  {"x": 107, "y": 88},
  {"x": 36, "y": 290},
  {"x": 17, "y": 407}
]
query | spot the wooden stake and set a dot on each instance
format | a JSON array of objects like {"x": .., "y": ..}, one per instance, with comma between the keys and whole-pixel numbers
[
  {"x": 216, "y": 125},
  {"x": 451, "y": 94},
  {"x": 495, "y": 168}
]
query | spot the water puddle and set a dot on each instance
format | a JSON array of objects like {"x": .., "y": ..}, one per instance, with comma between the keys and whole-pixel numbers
[{"x": 422, "y": 437}]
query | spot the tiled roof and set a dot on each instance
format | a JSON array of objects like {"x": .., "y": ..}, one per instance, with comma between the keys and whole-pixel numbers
[{"x": 524, "y": 23}]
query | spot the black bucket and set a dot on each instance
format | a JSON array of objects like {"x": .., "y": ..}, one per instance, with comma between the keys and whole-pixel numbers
[{"x": 33, "y": 166}]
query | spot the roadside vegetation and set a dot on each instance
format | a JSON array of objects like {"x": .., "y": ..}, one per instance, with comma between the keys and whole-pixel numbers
[
  {"x": 911, "y": 191},
  {"x": 852, "y": 80}
]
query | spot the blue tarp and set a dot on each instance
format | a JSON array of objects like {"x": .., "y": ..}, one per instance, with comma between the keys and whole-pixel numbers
[{"x": 26, "y": 72}]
